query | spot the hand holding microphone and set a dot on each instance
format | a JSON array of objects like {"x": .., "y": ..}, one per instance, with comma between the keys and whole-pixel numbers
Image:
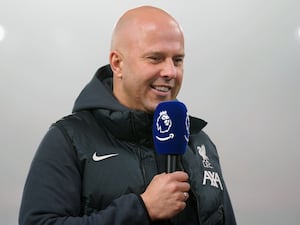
[{"x": 167, "y": 193}]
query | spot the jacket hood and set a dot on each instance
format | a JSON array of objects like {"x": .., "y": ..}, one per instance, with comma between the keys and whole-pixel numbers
[
  {"x": 98, "y": 93},
  {"x": 97, "y": 97}
]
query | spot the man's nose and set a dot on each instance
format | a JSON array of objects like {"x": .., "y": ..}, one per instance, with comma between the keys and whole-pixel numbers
[{"x": 169, "y": 69}]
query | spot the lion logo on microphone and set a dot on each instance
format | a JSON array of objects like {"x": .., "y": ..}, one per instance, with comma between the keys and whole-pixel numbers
[{"x": 163, "y": 125}]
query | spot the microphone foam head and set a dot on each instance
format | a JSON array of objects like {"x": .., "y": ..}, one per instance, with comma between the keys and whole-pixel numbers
[{"x": 171, "y": 128}]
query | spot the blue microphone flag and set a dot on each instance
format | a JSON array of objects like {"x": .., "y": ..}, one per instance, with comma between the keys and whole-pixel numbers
[{"x": 171, "y": 128}]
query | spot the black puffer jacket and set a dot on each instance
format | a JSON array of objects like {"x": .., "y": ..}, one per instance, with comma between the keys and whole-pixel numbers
[{"x": 92, "y": 166}]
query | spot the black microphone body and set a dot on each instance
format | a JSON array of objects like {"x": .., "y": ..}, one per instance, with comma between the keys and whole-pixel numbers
[{"x": 173, "y": 163}]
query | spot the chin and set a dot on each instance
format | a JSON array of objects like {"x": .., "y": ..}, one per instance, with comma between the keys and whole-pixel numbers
[
  {"x": 154, "y": 103},
  {"x": 151, "y": 107}
]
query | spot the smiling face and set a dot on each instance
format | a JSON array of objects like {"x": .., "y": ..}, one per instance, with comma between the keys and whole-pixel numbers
[{"x": 147, "y": 58}]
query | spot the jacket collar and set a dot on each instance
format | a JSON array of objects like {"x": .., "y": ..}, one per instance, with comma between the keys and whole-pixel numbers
[{"x": 130, "y": 125}]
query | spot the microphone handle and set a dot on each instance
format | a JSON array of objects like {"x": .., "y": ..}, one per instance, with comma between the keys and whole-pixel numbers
[{"x": 173, "y": 162}]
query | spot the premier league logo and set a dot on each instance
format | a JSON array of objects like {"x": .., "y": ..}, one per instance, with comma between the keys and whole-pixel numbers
[
  {"x": 163, "y": 125},
  {"x": 187, "y": 127}
]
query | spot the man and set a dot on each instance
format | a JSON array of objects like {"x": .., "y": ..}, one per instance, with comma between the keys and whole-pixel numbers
[{"x": 99, "y": 166}]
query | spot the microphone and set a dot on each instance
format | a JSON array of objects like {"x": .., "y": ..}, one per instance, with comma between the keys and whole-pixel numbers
[{"x": 171, "y": 131}]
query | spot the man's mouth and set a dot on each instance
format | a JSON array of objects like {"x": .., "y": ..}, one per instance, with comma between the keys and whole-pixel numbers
[{"x": 162, "y": 88}]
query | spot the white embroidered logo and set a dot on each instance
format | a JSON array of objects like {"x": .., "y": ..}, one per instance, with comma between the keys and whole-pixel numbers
[
  {"x": 102, "y": 157},
  {"x": 214, "y": 179},
  {"x": 211, "y": 176},
  {"x": 205, "y": 160}
]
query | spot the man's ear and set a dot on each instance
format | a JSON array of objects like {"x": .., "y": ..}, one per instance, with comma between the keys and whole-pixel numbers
[{"x": 115, "y": 60}]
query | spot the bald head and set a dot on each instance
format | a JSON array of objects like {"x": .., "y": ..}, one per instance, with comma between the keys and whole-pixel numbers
[
  {"x": 135, "y": 22},
  {"x": 146, "y": 57}
]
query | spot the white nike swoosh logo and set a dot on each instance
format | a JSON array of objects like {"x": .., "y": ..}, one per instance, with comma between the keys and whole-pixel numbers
[{"x": 102, "y": 157}]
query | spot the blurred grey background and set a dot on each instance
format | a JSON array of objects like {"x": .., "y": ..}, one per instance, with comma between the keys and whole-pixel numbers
[{"x": 242, "y": 75}]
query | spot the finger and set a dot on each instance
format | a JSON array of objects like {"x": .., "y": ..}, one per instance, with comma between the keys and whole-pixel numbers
[
  {"x": 186, "y": 196},
  {"x": 183, "y": 186},
  {"x": 180, "y": 176}
]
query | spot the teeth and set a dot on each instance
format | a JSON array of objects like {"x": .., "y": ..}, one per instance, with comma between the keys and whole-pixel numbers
[{"x": 160, "y": 88}]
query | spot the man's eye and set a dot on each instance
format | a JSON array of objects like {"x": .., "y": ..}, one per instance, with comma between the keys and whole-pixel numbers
[
  {"x": 178, "y": 61},
  {"x": 154, "y": 58}
]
